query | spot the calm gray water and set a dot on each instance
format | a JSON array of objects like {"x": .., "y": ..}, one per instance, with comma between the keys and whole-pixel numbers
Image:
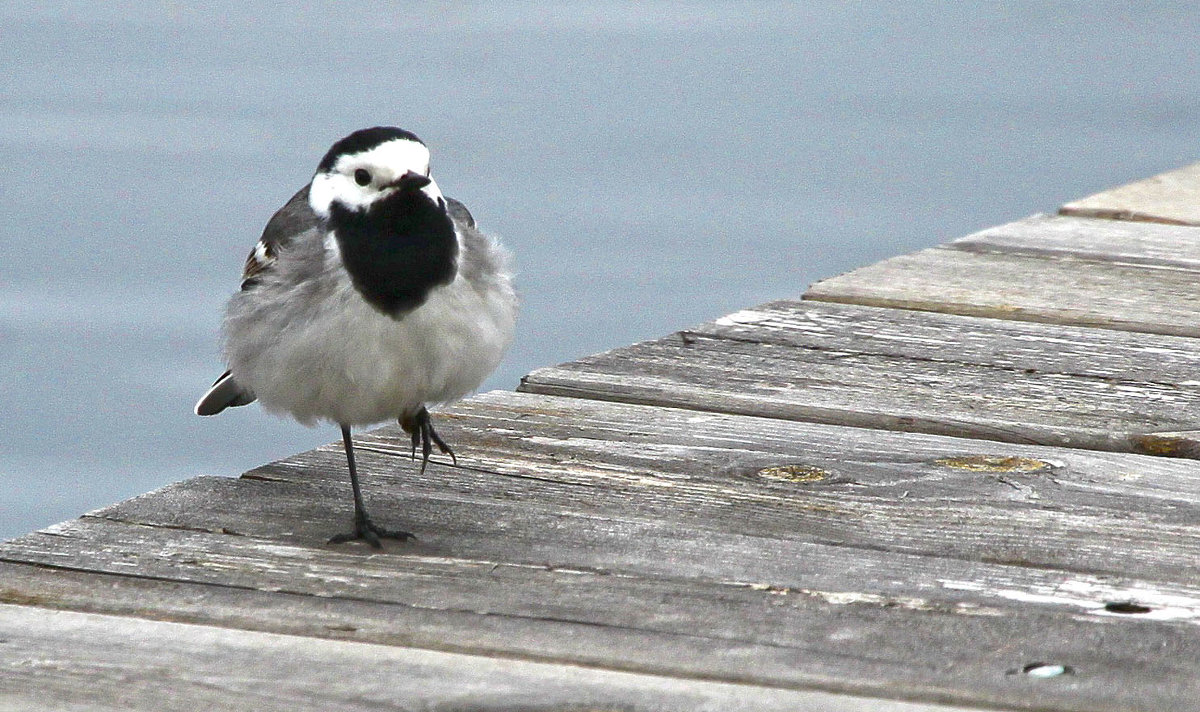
[{"x": 651, "y": 164}]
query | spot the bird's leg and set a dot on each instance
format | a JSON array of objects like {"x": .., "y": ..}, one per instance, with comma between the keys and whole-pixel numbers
[
  {"x": 420, "y": 426},
  {"x": 364, "y": 528}
]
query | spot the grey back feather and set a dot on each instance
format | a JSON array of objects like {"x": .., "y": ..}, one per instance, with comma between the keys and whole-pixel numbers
[{"x": 295, "y": 217}]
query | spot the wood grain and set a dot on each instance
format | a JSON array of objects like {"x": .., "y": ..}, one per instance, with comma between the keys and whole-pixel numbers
[
  {"x": 1172, "y": 197},
  {"x": 1024, "y": 287},
  {"x": 79, "y": 661},
  {"x": 1114, "y": 241},
  {"x": 912, "y": 371},
  {"x": 668, "y": 542}
]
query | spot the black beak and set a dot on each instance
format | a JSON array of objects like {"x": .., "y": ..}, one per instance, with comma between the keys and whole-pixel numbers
[{"x": 411, "y": 181}]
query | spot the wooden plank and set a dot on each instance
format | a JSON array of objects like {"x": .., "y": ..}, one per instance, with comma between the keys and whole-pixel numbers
[
  {"x": 601, "y": 534},
  {"x": 952, "y": 339},
  {"x": 1116, "y": 241},
  {"x": 1026, "y": 288},
  {"x": 1172, "y": 197},
  {"x": 913, "y": 371},
  {"x": 714, "y": 455},
  {"x": 846, "y": 640},
  {"x": 79, "y": 661},
  {"x": 497, "y": 635},
  {"x": 149, "y": 549},
  {"x": 1015, "y": 517},
  {"x": 592, "y": 472}
]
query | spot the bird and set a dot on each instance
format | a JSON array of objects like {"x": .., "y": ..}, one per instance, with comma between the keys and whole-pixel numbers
[{"x": 369, "y": 297}]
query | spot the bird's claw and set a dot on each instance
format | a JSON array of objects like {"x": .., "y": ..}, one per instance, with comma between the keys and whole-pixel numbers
[
  {"x": 420, "y": 426},
  {"x": 368, "y": 531}
]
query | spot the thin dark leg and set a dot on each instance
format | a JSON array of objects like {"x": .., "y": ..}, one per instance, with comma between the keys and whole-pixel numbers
[
  {"x": 420, "y": 426},
  {"x": 364, "y": 528},
  {"x": 360, "y": 509}
]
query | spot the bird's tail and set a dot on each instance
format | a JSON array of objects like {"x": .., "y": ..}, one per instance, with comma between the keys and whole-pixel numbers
[{"x": 225, "y": 393}]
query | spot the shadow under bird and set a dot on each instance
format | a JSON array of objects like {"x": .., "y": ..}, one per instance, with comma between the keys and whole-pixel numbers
[{"x": 369, "y": 296}]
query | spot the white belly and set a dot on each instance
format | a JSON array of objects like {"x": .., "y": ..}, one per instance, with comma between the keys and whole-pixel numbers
[{"x": 345, "y": 362}]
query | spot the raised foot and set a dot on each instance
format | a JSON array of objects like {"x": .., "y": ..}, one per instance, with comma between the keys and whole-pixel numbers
[
  {"x": 420, "y": 426},
  {"x": 368, "y": 531}
]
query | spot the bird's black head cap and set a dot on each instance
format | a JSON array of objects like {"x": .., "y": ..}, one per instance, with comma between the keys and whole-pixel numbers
[{"x": 364, "y": 140}]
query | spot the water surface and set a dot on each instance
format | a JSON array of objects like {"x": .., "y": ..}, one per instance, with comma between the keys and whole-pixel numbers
[{"x": 652, "y": 165}]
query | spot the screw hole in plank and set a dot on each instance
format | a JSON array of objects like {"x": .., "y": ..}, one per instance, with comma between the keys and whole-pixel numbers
[
  {"x": 1046, "y": 671},
  {"x": 1125, "y": 607}
]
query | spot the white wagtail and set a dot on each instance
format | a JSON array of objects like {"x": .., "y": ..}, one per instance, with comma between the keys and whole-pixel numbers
[{"x": 369, "y": 295}]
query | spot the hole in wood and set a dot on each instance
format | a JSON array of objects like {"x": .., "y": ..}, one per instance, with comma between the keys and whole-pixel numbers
[
  {"x": 1125, "y": 607},
  {"x": 994, "y": 463},
  {"x": 1045, "y": 671},
  {"x": 793, "y": 473}
]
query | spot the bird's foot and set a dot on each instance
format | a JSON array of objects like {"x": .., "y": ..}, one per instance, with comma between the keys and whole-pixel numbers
[
  {"x": 370, "y": 532},
  {"x": 420, "y": 426}
]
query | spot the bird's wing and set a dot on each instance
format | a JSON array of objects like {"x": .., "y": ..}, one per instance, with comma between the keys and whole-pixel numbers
[
  {"x": 294, "y": 218},
  {"x": 459, "y": 213}
]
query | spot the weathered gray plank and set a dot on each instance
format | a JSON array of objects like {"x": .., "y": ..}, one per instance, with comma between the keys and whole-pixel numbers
[
  {"x": 1118, "y": 241},
  {"x": 627, "y": 592},
  {"x": 850, "y": 640},
  {"x": 914, "y": 371},
  {"x": 1172, "y": 197},
  {"x": 562, "y": 518},
  {"x": 952, "y": 339},
  {"x": 544, "y": 478},
  {"x": 716, "y": 455},
  {"x": 79, "y": 661},
  {"x": 1027, "y": 288}
]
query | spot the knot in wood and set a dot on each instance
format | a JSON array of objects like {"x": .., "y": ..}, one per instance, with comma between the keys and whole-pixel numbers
[{"x": 793, "y": 473}]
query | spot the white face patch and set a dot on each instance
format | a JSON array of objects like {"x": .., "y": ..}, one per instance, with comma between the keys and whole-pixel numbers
[
  {"x": 383, "y": 164},
  {"x": 434, "y": 193}
]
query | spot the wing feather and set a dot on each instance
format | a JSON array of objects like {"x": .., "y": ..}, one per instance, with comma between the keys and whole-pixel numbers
[
  {"x": 294, "y": 218},
  {"x": 459, "y": 213}
]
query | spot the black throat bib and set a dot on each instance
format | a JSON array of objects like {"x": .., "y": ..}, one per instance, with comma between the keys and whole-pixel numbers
[{"x": 397, "y": 250}]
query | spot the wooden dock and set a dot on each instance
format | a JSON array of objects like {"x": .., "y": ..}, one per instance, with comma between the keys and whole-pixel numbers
[{"x": 958, "y": 479}]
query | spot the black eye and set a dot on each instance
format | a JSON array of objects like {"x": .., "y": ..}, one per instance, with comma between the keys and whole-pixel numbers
[{"x": 362, "y": 176}]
